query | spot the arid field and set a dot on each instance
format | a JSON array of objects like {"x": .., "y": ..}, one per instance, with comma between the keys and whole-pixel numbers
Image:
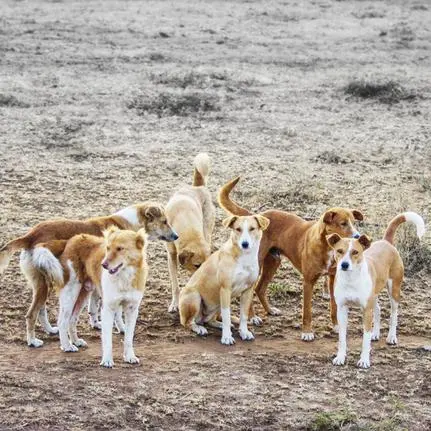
[{"x": 315, "y": 103}]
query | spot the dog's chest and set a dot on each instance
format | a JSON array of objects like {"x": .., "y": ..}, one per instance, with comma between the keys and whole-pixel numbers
[
  {"x": 353, "y": 289},
  {"x": 245, "y": 274},
  {"x": 119, "y": 288}
]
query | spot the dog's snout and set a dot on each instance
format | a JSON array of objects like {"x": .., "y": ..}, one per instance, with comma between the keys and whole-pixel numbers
[
  {"x": 174, "y": 236},
  {"x": 245, "y": 244},
  {"x": 356, "y": 235},
  {"x": 105, "y": 264},
  {"x": 344, "y": 266}
]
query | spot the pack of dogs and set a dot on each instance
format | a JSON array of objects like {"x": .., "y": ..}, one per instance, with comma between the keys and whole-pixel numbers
[{"x": 101, "y": 263}]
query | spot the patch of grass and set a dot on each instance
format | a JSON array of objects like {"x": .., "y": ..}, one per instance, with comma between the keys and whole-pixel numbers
[
  {"x": 170, "y": 103},
  {"x": 331, "y": 158},
  {"x": 389, "y": 92},
  {"x": 12, "y": 101},
  {"x": 334, "y": 421},
  {"x": 281, "y": 291}
]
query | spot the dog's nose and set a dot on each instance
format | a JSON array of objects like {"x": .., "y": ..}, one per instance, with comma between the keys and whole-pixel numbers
[
  {"x": 105, "y": 264},
  {"x": 245, "y": 244},
  {"x": 174, "y": 236},
  {"x": 356, "y": 235},
  {"x": 344, "y": 266}
]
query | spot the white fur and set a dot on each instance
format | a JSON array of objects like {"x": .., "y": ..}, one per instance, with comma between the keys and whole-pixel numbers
[
  {"x": 202, "y": 163},
  {"x": 364, "y": 361},
  {"x": 129, "y": 214},
  {"x": 342, "y": 317},
  {"x": 45, "y": 261},
  {"x": 393, "y": 322},
  {"x": 226, "y": 337},
  {"x": 417, "y": 220},
  {"x": 376, "y": 322}
]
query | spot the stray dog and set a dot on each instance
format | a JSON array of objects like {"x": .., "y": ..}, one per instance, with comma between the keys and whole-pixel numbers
[
  {"x": 362, "y": 272},
  {"x": 191, "y": 214},
  {"x": 228, "y": 273},
  {"x": 303, "y": 243},
  {"x": 41, "y": 268}
]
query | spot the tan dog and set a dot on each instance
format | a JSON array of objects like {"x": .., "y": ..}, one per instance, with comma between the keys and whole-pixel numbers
[
  {"x": 191, "y": 213},
  {"x": 362, "y": 272},
  {"x": 228, "y": 273},
  {"x": 35, "y": 261},
  {"x": 303, "y": 243}
]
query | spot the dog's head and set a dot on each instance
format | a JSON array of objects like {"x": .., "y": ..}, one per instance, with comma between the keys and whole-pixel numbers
[
  {"x": 123, "y": 248},
  {"x": 246, "y": 230},
  {"x": 193, "y": 255},
  {"x": 348, "y": 252},
  {"x": 153, "y": 219},
  {"x": 341, "y": 221}
]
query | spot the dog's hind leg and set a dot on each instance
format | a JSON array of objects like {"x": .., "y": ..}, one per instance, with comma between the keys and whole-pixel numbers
[
  {"x": 173, "y": 273},
  {"x": 376, "y": 322},
  {"x": 189, "y": 307},
  {"x": 93, "y": 310},
  {"x": 394, "y": 287},
  {"x": 119, "y": 322},
  {"x": 80, "y": 304}
]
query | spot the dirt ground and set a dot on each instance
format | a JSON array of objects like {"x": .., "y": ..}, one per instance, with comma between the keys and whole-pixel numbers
[{"x": 105, "y": 103}]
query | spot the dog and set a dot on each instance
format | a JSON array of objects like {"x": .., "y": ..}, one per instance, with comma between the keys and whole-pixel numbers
[
  {"x": 54, "y": 234},
  {"x": 363, "y": 269},
  {"x": 303, "y": 243},
  {"x": 191, "y": 213},
  {"x": 228, "y": 273}
]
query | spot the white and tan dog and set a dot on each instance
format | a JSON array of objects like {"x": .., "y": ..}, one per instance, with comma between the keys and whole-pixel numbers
[
  {"x": 228, "y": 273},
  {"x": 362, "y": 272},
  {"x": 191, "y": 214}
]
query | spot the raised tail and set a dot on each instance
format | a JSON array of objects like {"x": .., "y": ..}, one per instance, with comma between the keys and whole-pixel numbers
[
  {"x": 45, "y": 258},
  {"x": 7, "y": 251},
  {"x": 227, "y": 203},
  {"x": 202, "y": 165},
  {"x": 409, "y": 216}
]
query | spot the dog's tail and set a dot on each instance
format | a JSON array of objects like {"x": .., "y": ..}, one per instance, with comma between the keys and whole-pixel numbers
[
  {"x": 7, "y": 251},
  {"x": 409, "y": 216},
  {"x": 202, "y": 165},
  {"x": 45, "y": 259},
  {"x": 227, "y": 203}
]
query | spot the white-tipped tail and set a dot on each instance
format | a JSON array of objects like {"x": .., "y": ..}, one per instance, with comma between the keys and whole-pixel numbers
[
  {"x": 417, "y": 220},
  {"x": 45, "y": 261},
  {"x": 5, "y": 257},
  {"x": 202, "y": 165}
]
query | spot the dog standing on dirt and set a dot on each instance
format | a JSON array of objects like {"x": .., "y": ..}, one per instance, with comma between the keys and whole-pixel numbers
[
  {"x": 363, "y": 270},
  {"x": 303, "y": 243},
  {"x": 191, "y": 214},
  {"x": 228, "y": 273},
  {"x": 35, "y": 261}
]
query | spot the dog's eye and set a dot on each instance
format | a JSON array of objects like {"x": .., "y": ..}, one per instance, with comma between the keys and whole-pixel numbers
[
  {"x": 197, "y": 265},
  {"x": 120, "y": 248},
  {"x": 354, "y": 252},
  {"x": 238, "y": 229},
  {"x": 165, "y": 222},
  {"x": 340, "y": 250},
  {"x": 108, "y": 248},
  {"x": 252, "y": 229},
  {"x": 344, "y": 224}
]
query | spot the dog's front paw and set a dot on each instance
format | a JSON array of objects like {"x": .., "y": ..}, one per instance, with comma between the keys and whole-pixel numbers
[
  {"x": 35, "y": 342},
  {"x": 131, "y": 359},
  {"x": 273, "y": 311},
  {"x": 53, "y": 330},
  {"x": 364, "y": 363},
  {"x": 107, "y": 363},
  {"x": 80, "y": 343},
  {"x": 246, "y": 335},
  {"x": 173, "y": 308},
  {"x": 391, "y": 339},
  {"x": 69, "y": 348},
  {"x": 96, "y": 324},
  {"x": 256, "y": 321},
  {"x": 340, "y": 359},
  {"x": 307, "y": 336},
  {"x": 228, "y": 340},
  {"x": 375, "y": 336}
]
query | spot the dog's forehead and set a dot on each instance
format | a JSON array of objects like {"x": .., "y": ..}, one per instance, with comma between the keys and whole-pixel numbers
[
  {"x": 246, "y": 222},
  {"x": 344, "y": 243},
  {"x": 342, "y": 214},
  {"x": 120, "y": 237}
]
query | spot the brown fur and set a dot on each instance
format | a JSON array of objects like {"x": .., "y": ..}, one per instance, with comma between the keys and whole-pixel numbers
[{"x": 302, "y": 242}]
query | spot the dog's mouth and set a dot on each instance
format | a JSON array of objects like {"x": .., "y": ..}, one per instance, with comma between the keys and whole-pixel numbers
[{"x": 115, "y": 270}]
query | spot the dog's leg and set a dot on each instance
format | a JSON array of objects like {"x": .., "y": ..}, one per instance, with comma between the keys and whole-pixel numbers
[
  {"x": 394, "y": 286},
  {"x": 43, "y": 319},
  {"x": 269, "y": 268},
  {"x": 307, "y": 332},
  {"x": 333, "y": 304},
  {"x": 173, "y": 273},
  {"x": 68, "y": 298},
  {"x": 376, "y": 322},
  {"x": 118, "y": 320},
  {"x": 364, "y": 361},
  {"x": 93, "y": 310},
  {"x": 245, "y": 301},
  {"x": 190, "y": 308},
  {"x": 131, "y": 314},
  {"x": 80, "y": 304},
  {"x": 225, "y": 301},
  {"x": 107, "y": 323},
  {"x": 342, "y": 316}
]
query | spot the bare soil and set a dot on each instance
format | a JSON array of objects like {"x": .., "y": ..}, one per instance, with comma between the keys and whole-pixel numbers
[{"x": 314, "y": 103}]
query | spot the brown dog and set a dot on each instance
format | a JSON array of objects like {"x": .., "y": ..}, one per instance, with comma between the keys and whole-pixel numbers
[
  {"x": 148, "y": 215},
  {"x": 303, "y": 243}
]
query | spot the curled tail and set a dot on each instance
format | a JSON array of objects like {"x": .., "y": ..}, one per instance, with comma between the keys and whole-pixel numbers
[
  {"x": 409, "y": 216},
  {"x": 7, "y": 251},
  {"x": 227, "y": 203},
  {"x": 202, "y": 165},
  {"x": 45, "y": 259}
]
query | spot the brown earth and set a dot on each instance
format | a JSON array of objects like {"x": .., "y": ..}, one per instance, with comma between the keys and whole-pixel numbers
[{"x": 314, "y": 103}]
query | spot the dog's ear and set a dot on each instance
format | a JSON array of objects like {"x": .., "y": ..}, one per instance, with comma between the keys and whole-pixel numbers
[
  {"x": 328, "y": 217},
  {"x": 357, "y": 215},
  {"x": 365, "y": 241},
  {"x": 229, "y": 221},
  {"x": 152, "y": 212},
  {"x": 262, "y": 221},
  {"x": 140, "y": 239},
  {"x": 184, "y": 256},
  {"x": 109, "y": 231},
  {"x": 333, "y": 239}
]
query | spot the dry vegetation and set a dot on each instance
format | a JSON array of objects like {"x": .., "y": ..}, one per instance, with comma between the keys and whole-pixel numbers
[{"x": 314, "y": 103}]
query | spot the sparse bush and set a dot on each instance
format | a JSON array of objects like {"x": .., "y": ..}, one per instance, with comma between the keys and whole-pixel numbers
[
  {"x": 388, "y": 92},
  {"x": 331, "y": 158},
  {"x": 12, "y": 101},
  {"x": 334, "y": 421}
]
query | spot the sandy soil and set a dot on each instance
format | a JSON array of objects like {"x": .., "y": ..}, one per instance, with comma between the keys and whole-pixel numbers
[{"x": 105, "y": 103}]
